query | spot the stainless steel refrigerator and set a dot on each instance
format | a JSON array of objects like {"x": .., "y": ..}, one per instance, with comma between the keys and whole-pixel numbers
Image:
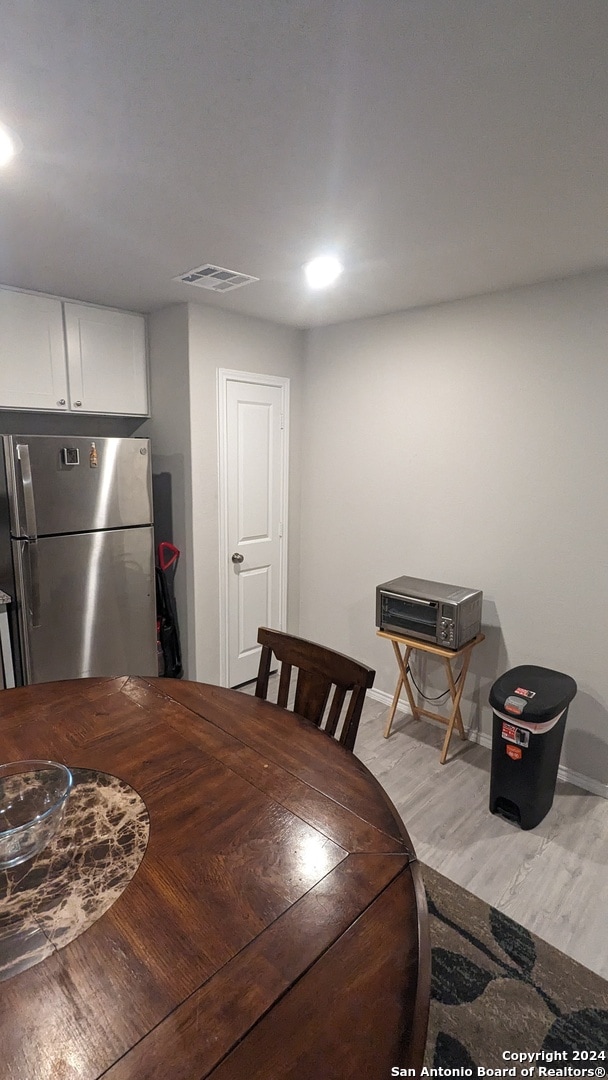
[{"x": 77, "y": 556}]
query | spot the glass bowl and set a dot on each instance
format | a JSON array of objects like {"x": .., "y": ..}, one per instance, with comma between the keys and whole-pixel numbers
[{"x": 33, "y": 795}]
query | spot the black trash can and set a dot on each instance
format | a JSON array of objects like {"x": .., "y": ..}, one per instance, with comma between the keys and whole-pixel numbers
[{"x": 530, "y": 708}]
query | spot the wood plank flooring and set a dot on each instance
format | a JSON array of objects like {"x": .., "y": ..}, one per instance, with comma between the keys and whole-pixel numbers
[{"x": 552, "y": 879}]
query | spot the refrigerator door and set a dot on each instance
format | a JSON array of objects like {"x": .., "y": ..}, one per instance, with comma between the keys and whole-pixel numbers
[
  {"x": 95, "y": 609},
  {"x": 71, "y": 484}
]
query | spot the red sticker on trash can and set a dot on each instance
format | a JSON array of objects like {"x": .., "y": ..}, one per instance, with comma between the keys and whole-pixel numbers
[
  {"x": 514, "y": 752},
  {"x": 525, "y": 693},
  {"x": 515, "y": 734}
]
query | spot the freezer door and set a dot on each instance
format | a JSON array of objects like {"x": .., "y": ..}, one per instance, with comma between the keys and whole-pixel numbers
[
  {"x": 71, "y": 484},
  {"x": 95, "y": 611}
]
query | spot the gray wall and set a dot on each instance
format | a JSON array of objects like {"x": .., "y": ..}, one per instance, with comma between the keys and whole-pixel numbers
[
  {"x": 188, "y": 343},
  {"x": 169, "y": 431},
  {"x": 467, "y": 443},
  {"x": 221, "y": 339}
]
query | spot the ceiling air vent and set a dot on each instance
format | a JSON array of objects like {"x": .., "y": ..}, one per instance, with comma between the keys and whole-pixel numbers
[{"x": 216, "y": 278}]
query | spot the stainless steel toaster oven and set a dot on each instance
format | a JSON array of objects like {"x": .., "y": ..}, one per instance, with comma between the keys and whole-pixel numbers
[{"x": 446, "y": 615}]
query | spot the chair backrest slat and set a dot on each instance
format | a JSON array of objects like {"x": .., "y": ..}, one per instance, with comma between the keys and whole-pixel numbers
[
  {"x": 284, "y": 683},
  {"x": 312, "y": 692},
  {"x": 319, "y": 669},
  {"x": 261, "y": 686},
  {"x": 353, "y": 715},
  {"x": 337, "y": 702}
]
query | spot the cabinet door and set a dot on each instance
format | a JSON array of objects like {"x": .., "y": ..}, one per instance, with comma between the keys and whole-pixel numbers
[
  {"x": 32, "y": 352},
  {"x": 106, "y": 360}
]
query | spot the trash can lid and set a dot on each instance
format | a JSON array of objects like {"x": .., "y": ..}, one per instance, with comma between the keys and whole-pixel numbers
[{"x": 535, "y": 694}]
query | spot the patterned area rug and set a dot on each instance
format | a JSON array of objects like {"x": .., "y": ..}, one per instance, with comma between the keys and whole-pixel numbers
[{"x": 497, "y": 989}]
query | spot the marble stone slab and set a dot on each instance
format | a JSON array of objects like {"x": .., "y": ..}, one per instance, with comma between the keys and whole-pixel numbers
[{"x": 47, "y": 902}]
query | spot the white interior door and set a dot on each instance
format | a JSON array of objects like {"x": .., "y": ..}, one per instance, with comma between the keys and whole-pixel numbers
[{"x": 253, "y": 426}]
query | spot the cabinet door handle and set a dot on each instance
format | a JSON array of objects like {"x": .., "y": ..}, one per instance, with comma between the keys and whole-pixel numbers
[
  {"x": 61, "y": 401},
  {"x": 78, "y": 404}
]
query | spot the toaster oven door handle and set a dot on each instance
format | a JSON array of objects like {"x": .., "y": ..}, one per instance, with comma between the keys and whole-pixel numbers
[{"x": 411, "y": 599}]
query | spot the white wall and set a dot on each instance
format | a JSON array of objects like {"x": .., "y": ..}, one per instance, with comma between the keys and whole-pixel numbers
[
  {"x": 468, "y": 443},
  {"x": 188, "y": 343}
]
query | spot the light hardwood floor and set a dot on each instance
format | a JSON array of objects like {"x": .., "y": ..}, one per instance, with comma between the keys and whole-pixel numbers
[{"x": 552, "y": 879}]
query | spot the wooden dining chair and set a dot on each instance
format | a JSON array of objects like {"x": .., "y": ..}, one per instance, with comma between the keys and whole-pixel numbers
[{"x": 319, "y": 669}]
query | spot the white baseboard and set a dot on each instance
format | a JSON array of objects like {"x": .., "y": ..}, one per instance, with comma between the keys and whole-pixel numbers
[{"x": 482, "y": 737}]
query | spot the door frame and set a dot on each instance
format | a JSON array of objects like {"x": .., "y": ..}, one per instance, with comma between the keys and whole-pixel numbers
[{"x": 224, "y": 376}]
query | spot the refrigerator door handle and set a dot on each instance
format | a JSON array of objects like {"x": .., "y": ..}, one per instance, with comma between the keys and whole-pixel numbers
[
  {"x": 31, "y": 546},
  {"x": 23, "y": 453}
]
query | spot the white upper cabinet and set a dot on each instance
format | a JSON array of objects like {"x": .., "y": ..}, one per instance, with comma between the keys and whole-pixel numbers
[
  {"x": 67, "y": 357},
  {"x": 32, "y": 352},
  {"x": 106, "y": 353}
]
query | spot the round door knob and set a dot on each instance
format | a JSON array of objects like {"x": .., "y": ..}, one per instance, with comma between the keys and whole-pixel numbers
[
  {"x": 78, "y": 403},
  {"x": 61, "y": 401},
  {"x": 237, "y": 557}
]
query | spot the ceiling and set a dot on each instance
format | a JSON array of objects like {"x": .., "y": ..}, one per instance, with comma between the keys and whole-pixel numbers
[{"x": 442, "y": 147}]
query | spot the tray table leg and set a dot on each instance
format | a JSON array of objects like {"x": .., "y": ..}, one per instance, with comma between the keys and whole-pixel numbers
[
  {"x": 402, "y": 662},
  {"x": 393, "y": 707},
  {"x": 456, "y": 694}
]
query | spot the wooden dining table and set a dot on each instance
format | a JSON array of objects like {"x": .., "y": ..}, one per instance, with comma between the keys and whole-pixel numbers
[{"x": 276, "y": 924}]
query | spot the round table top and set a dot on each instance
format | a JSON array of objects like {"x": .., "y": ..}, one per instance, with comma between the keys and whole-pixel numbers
[{"x": 276, "y": 926}]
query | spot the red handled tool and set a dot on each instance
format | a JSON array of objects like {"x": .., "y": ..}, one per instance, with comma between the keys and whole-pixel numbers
[
  {"x": 167, "y": 554},
  {"x": 167, "y": 630}
]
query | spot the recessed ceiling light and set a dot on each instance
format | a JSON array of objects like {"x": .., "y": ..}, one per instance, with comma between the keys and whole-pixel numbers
[
  {"x": 323, "y": 271},
  {"x": 10, "y": 144}
]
